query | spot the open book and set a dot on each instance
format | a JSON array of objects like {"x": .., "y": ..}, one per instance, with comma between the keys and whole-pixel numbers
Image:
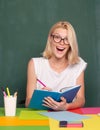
[{"x": 39, "y": 95}]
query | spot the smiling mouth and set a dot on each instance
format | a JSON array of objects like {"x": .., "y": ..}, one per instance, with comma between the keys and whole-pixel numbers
[{"x": 60, "y": 49}]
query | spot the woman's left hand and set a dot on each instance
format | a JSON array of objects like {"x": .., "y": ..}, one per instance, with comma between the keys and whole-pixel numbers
[{"x": 51, "y": 103}]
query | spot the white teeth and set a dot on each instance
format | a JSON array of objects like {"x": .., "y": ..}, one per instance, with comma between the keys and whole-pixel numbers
[{"x": 60, "y": 48}]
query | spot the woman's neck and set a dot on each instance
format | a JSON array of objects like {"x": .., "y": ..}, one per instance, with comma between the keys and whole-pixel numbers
[{"x": 58, "y": 65}]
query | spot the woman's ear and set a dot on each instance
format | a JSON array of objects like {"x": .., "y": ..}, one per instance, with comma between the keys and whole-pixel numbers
[{"x": 49, "y": 38}]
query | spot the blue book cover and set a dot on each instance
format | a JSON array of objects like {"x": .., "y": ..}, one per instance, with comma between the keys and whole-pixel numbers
[{"x": 38, "y": 96}]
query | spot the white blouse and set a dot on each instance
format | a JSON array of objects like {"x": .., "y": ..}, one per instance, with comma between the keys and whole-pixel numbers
[{"x": 55, "y": 80}]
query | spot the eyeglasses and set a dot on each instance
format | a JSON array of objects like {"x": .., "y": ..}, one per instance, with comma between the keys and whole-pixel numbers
[{"x": 58, "y": 39}]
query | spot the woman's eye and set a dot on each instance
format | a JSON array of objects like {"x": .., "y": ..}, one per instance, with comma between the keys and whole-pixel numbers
[{"x": 57, "y": 37}]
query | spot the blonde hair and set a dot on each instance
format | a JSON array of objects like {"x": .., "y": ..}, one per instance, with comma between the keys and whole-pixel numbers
[{"x": 72, "y": 55}]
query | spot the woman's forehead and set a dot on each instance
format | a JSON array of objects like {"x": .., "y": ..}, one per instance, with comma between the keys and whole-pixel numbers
[{"x": 60, "y": 31}]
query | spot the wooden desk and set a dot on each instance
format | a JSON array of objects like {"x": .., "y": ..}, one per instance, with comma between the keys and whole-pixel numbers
[
  {"x": 14, "y": 123},
  {"x": 92, "y": 123},
  {"x": 24, "y": 128}
]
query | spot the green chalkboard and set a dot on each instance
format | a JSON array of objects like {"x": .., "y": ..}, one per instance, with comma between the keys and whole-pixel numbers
[{"x": 24, "y": 26}]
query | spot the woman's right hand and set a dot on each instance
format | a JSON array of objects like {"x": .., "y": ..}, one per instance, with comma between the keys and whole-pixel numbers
[{"x": 47, "y": 88}]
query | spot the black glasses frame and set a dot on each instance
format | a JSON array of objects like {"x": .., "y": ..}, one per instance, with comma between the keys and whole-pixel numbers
[{"x": 65, "y": 40}]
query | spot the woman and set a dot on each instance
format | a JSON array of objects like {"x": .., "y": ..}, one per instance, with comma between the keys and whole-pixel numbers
[{"x": 59, "y": 67}]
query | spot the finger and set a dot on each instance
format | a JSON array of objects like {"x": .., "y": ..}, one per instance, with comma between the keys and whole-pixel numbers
[
  {"x": 47, "y": 88},
  {"x": 52, "y": 106},
  {"x": 49, "y": 102},
  {"x": 63, "y": 99},
  {"x": 52, "y": 102}
]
